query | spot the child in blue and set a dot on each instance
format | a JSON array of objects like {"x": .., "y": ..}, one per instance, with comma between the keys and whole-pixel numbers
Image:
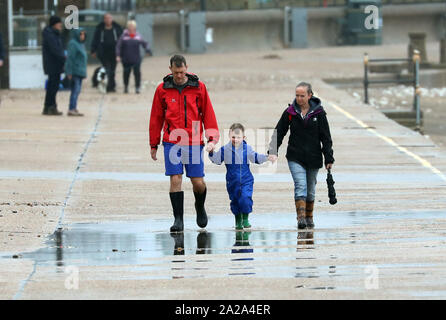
[{"x": 237, "y": 155}]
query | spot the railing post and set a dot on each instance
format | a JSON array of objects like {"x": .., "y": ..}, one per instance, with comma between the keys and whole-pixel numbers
[
  {"x": 366, "y": 78},
  {"x": 183, "y": 35},
  {"x": 286, "y": 26},
  {"x": 416, "y": 60}
]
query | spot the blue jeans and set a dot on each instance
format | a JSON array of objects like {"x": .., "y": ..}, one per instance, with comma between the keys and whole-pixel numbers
[
  {"x": 304, "y": 181},
  {"x": 76, "y": 86}
]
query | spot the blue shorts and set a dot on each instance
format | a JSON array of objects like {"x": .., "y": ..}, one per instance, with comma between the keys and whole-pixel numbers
[{"x": 191, "y": 157}]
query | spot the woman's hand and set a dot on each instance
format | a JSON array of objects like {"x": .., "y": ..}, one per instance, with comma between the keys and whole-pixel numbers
[
  {"x": 329, "y": 166},
  {"x": 272, "y": 158}
]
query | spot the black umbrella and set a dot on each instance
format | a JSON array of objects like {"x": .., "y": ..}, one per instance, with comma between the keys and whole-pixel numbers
[{"x": 331, "y": 189}]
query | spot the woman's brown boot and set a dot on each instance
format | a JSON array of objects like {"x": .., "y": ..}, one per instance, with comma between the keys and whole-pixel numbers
[
  {"x": 300, "y": 209},
  {"x": 309, "y": 214}
]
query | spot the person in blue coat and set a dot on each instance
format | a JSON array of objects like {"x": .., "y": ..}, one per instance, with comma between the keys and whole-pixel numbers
[
  {"x": 237, "y": 155},
  {"x": 76, "y": 67}
]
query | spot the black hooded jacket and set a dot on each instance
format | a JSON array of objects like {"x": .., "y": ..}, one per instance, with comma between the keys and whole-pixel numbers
[
  {"x": 97, "y": 44},
  {"x": 309, "y": 137},
  {"x": 2, "y": 55}
]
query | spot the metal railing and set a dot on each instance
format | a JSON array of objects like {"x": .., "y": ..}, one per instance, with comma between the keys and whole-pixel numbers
[
  {"x": 219, "y": 5},
  {"x": 414, "y": 80}
]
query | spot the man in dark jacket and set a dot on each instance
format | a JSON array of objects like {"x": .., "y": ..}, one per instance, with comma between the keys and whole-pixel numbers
[
  {"x": 2, "y": 54},
  {"x": 53, "y": 63},
  {"x": 103, "y": 46}
]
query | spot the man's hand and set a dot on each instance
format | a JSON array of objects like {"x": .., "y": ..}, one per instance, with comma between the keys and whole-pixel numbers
[
  {"x": 272, "y": 158},
  {"x": 1, "y": 63},
  {"x": 69, "y": 76},
  {"x": 329, "y": 166},
  {"x": 93, "y": 54},
  {"x": 153, "y": 154},
  {"x": 210, "y": 147}
]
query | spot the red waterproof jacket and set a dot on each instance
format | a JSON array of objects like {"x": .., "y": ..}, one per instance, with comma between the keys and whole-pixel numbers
[{"x": 182, "y": 115}]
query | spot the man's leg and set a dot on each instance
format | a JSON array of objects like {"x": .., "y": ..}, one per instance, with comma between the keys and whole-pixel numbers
[
  {"x": 109, "y": 63},
  {"x": 195, "y": 171},
  {"x": 177, "y": 201},
  {"x": 199, "y": 188},
  {"x": 50, "y": 107}
]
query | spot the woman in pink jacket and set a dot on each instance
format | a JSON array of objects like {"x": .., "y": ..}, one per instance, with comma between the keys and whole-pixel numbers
[{"x": 128, "y": 52}]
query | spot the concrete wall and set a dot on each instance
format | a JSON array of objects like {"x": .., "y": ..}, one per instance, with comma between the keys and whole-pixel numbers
[
  {"x": 26, "y": 70},
  {"x": 246, "y": 30}
]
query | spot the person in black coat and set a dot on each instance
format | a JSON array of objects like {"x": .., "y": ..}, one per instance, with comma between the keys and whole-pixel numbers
[
  {"x": 2, "y": 51},
  {"x": 103, "y": 46},
  {"x": 309, "y": 139},
  {"x": 53, "y": 55}
]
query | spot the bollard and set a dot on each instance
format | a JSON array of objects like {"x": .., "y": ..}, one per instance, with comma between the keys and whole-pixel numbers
[
  {"x": 183, "y": 41},
  {"x": 366, "y": 78},
  {"x": 416, "y": 106}
]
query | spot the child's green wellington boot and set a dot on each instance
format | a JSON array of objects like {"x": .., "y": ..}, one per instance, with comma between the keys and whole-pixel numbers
[
  {"x": 246, "y": 223},
  {"x": 238, "y": 222}
]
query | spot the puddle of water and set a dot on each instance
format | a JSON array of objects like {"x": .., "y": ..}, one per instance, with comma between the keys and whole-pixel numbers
[{"x": 148, "y": 248}]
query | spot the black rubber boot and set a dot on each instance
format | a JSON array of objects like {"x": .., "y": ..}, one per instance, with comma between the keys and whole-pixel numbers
[
  {"x": 202, "y": 218},
  {"x": 203, "y": 243},
  {"x": 177, "y": 200},
  {"x": 52, "y": 111},
  {"x": 45, "y": 110},
  {"x": 178, "y": 249}
]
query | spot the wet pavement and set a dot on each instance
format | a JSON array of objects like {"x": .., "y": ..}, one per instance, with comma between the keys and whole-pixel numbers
[{"x": 274, "y": 248}]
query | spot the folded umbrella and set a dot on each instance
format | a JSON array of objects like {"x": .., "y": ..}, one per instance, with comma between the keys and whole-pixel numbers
[{"x": 331, "y": 189}]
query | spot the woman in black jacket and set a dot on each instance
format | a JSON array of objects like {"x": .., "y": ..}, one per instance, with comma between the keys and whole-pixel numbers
[{"x": 309, "y": 139}]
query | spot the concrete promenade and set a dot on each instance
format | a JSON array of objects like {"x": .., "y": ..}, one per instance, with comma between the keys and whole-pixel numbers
[{"x": 93, "y": 177}]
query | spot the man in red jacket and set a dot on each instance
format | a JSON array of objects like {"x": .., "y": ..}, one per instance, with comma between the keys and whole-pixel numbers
[{"x": 181, "y": 107}]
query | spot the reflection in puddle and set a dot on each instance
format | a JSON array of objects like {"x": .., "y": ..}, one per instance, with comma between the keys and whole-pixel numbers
[{"x": 275, "y": 249}]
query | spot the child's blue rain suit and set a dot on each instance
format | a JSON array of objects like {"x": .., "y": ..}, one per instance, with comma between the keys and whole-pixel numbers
[{"x": 239, "y": 179}]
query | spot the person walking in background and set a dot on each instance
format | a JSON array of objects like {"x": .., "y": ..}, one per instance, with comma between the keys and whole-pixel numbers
[
  {"x": 2, "y": 51},
  {"x": 103, "y": 47},
  {"x": 76, "y": 67},
  {"x": 53, "y": 63},
  {"x": 309, "y": 139},
  {"x": 128, "y": 52}
]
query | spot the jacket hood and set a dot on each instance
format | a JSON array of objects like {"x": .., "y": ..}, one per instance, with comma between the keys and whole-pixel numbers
[
  {"x": 192, "y": 81},
  {"x": 76, "y": 34},
  {"x": 315, "y": 105}
]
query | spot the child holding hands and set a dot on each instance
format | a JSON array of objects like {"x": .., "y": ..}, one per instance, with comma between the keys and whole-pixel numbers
[{"x": 237, "y": 155}]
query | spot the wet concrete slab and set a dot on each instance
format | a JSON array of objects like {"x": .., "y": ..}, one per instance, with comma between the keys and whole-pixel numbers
[{"x": 273, "y": 248}]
